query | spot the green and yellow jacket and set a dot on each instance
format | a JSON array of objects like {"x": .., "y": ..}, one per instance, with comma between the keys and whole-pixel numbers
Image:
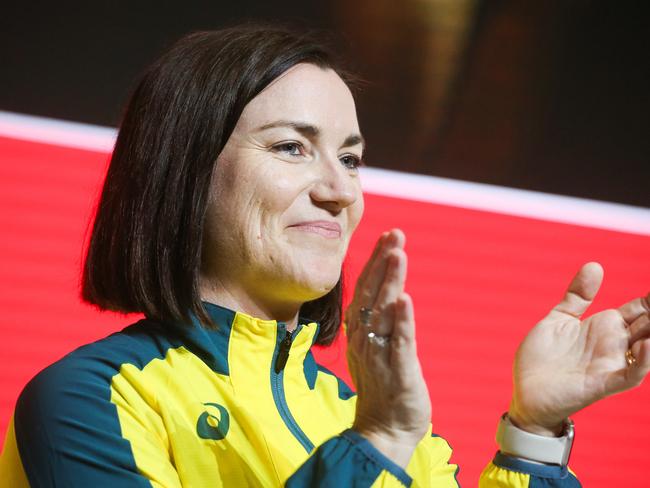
[{"x": 243, "y": 405}]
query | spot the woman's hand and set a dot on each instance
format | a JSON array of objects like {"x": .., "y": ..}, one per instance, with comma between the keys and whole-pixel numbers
[
  {"x": 393, "y": 406},
  {"x": 564, "y": 364}
]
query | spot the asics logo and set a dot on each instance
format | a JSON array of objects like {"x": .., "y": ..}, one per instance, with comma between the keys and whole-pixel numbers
[{"x": 209, "y": 426}]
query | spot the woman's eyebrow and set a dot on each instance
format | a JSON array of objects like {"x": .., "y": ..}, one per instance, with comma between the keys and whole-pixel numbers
[
  {"x": 353, "y": 140},
  {"x": 303, "y": 128},
  {"x": 310, "y": 131}
]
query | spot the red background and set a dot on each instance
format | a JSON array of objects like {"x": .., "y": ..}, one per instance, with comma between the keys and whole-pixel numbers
[{"x": 479, "y": 281}]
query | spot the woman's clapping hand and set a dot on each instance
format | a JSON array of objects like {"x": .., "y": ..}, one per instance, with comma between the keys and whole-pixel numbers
[
  {"x": 565, "y": 364},
  {"x": 393, "y": 406}
]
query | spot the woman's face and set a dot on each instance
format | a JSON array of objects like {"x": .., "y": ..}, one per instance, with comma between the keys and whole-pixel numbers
[{"x": 285, "y": 195}]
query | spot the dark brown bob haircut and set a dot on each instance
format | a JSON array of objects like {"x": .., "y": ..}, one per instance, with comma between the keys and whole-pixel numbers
[{"x": 144, "y": 253}]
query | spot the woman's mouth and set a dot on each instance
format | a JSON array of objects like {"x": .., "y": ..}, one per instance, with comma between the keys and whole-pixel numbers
[{"x": 325, "y": 228}]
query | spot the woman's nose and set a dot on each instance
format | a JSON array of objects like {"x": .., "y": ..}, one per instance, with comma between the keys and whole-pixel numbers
[{"x": 336, "y": 187}]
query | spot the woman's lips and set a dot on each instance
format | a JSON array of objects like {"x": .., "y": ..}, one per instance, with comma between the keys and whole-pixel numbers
[{"x": 331, "y": 230}]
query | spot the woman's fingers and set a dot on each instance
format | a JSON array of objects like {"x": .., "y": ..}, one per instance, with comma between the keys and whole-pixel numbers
[
  {"x": 367, "y": 290},
  {"x": 640, "y": 328},
  {"x": 394, "y": 279},
  {"x": 634, "y": 308},
  {"x": 391, "y": 288},
  {"x": 403, "y": 353},
  {"x": 637, "y": 371},
  {"x": 373, "y": 257},
  {"x": 351, "y": 321},
  {"x": 631, "y": 375},
  {"x": 640, "y": 348},
  {"x": 373, "y": 274},
  {"x": 379, "y": 285},
  {"x": 581, "y": 291}
]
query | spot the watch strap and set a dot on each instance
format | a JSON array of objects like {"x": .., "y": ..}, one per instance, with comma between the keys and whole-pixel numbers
[{"x": 516, "y": 442}]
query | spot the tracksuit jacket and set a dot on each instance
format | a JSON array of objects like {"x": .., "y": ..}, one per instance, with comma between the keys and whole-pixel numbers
[{"x": 243, "y": 405}]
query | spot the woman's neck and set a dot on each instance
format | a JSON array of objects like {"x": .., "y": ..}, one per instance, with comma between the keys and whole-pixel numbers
[{"x": 236, "y": 299}]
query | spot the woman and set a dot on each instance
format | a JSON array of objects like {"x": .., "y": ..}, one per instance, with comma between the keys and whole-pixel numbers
[{"x": 226, "y": 213}]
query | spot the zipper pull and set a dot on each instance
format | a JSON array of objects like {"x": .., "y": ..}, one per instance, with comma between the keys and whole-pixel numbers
[{"x": 283, "y": 353}]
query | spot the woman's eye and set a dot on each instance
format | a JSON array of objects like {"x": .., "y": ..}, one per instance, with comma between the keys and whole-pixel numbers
[
  {"x": 289, "y": 148},
  {"x": 350, "y": 161}
]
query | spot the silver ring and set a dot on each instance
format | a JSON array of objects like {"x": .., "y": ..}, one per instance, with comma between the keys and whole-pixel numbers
[
  {"x": 380, "y": 341},
  {"x": 365, "y": 316}
]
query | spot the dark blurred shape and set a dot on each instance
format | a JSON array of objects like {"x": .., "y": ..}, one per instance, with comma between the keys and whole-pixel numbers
[
  {"x": 79, "y": 60},
  {"x": 412, "y": 55},
  {"x": 550, "y": 96}
]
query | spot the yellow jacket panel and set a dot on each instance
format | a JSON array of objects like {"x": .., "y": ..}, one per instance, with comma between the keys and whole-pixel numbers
[{"x": 244, "y": 405}]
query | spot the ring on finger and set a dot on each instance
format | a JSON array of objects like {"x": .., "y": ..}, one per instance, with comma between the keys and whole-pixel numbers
[
  {"x": 381, "y": 341},
  {"x": 629, "y": 357}
]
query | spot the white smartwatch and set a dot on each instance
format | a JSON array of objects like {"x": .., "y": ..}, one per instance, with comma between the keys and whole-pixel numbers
[{"x": 515, "y": 442}]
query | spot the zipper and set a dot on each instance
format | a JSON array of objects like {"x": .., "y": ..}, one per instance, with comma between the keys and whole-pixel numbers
[
  {"x": 283, "y": 352},
  {"x": 280, "y": 356}
]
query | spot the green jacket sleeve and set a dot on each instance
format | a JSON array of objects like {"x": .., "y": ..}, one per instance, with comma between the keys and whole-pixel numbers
[
  {"x": 350, "y": 460},
  {"x": 511, "y": 472},
  {"x": 65, "y": 432}
]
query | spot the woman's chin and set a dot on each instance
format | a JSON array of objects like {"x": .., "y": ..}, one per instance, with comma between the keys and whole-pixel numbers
[
  {"x": 306, "y": 278},
  {"x": 315, "y": 286}
]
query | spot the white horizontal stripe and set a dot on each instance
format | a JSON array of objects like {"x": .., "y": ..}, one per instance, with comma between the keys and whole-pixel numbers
[
  {"x": 57, "y": 132},
  {"x": 509, "y": 201},
  {"x": 479, "y": 196}
]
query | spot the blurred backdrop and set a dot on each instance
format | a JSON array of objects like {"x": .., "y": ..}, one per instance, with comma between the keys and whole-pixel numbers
[
  {"x": 550, "y": 96},
  {"x": 545, "y": 95}
]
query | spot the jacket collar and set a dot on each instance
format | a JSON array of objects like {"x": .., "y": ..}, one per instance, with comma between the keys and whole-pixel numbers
[{"x": 242, "y": 342}]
